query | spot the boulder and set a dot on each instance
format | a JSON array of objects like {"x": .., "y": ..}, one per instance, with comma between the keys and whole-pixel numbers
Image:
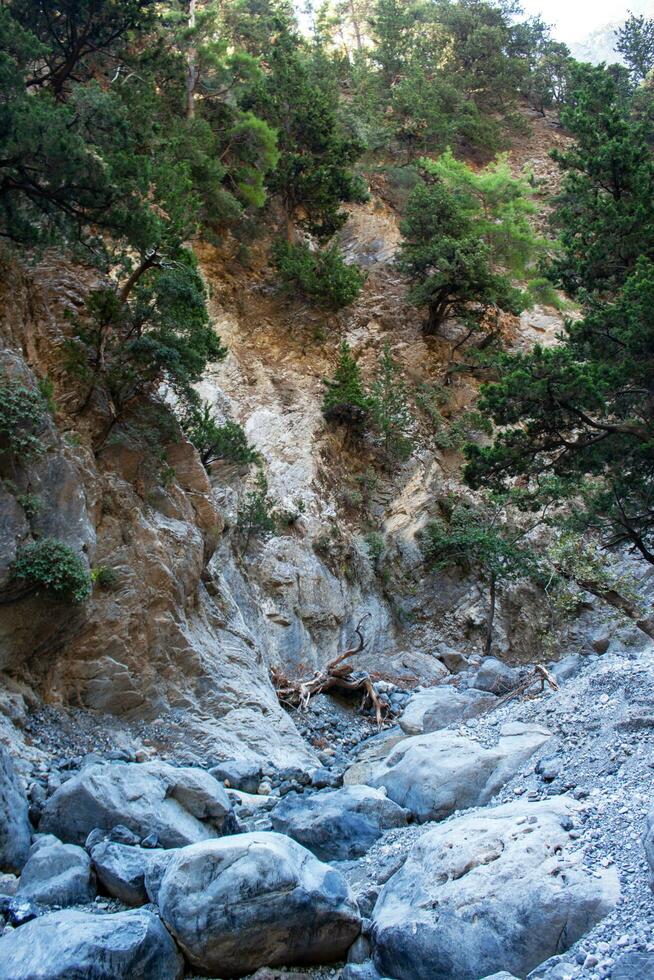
[
  {"x": 74, "y": 945},
  {"x": 181, "y": 806},
  {"x": 256, "y": 899},
  {"x": 453, "y": 659},
  {"x": 57, "y": 874},
  {"x": 15, "y": 830},
  {"x": 433, "y": 775},
  {"x": 495, "y": 890},
  {"x": 338, "y": 825},
  {"x": 438, "y": 707},
  {"x": 238, "y": 774},
  {"x": 122, "y": 870},
  {"x": 633, "y": 966},
  {"x": 496, "y": 677}
]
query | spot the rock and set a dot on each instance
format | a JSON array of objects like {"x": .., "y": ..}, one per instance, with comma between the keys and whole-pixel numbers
[
  {"x": 489, "y": 891},
  {"x": 326, "y": 779},
  {"x": 361, "y": 971},
  {"x": 433, "y": 775},
  {"x": 256, "y": 899},
  {"x": 122, "y": 870},
  {"x": 453, "y": 659},
  {"x": 15, "y": 830},
  {"x": 8, "y": 884},
  {"x": 123, "y": 835},
  {"x": 338, "y": 825},
  {"x": 245, "y": 776},
  {"x": 71, "y": 945},
  {"x": 369, "y": 754},
  {"x": 57, "y": 874},
  {"x": 438, "y": 707},
  {"x": 496, "y": 677},
  {"x": 17, "y": 910},
  {"x": 568, "y": 667},
  {"x": 633, "y": 966},
  {"x": 648, "y": 843},
  {"x": 181, "y": 806},
  {"x": 502, "y": 975}
]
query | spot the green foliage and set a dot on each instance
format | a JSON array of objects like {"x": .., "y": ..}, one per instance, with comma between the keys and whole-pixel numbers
[
  {"x": 635, "y": 42},
  {"x": 390, "y": 414},
  {"x": 477, "y": 539},
  {"x": 54, "y": 567},
  {"x": 459, "y": 229},
  {"x": 605, "y": 213},
  {"x": 576, "y": 420},
  {"x": 104, "y": 577},
  {"x": 298, "y": 96},
  {"x": 345, "y": 400},
  {"x": 255, "y": 515},
  {"x": 161, "y": 332},
  {"x": 213, "y": 441},
  {"x": 321, "y": 274},
  {"x": 22, "y": 417},
  {"x": 375, "y": 544}
]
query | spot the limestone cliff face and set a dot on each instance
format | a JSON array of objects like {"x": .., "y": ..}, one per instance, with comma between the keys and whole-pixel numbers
[
  {"x": 167, "y": 640},
  {"x": 194, "y": 617}
]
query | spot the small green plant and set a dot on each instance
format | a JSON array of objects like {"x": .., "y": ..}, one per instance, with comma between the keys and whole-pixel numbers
[
  {"x": 375, "y": 544},
  {"x": 213, "y": 441},
  {"x": 322, "y": 275},
  {"x": 54, "y": 567},
  {"x": 22, "y": 413},
  {"x": 46, "y": 388},
  {"x": 255, "y": 515},
  {"x": 289, "y": 516},
  {"x": 30, "y": 503},
  {"x": 104, "y": 577}
]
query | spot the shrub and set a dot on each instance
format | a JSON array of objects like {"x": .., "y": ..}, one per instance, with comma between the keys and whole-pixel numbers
[
  {"x": 53, "y": 566},
  {"x": 255, "y": 516},
  {"x": 321, "y": 275},
  {"x": 22, "y": 412},
  {"x": 214, "y": 441}
]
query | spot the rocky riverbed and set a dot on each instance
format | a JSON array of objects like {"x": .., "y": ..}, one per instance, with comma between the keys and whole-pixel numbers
[{"x": 479, "y": 834}]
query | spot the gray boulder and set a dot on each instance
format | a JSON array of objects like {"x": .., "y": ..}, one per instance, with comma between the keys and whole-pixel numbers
[
  {"x": 123, "y": 870},
  {"x": 181, "y": 806},
  {"x": 495, "y": 890},
  {"x": 338, "y": 825},
  {"x": 57, "y": 874},
  {"x": 633, "y": 966},
  {"x": 242, "y": 902},
  {"x": 438, "y": 707},
  {"x": 648, "y": 843},
  {"x": 433, "y": 775},
  {"x": 496, "y": 677},
  {"x": 238, "y": 774},
  {"x": 15, "y": 830},
  {"x": 73, "y": 945}
]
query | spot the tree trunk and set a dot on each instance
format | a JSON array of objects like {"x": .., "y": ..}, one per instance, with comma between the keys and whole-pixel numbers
[
  {"x": 192, "y": 71},
  {"x": 490, "y": 619}
]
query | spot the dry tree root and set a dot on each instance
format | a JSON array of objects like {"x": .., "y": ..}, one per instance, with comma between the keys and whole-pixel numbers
[
  {"x": 538, "y": 674},
  {"x": 336, "y": 675}
]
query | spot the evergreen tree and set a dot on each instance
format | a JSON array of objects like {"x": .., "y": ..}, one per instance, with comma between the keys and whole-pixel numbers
[
  {"x": 213, "y": 441},
  {"x": 320, "y": 274},
  {"x": 345, "y": 400},
  {"x": 390, "y": 413},
  {"x": 635, "y": 42},
  {"x": 459, "y": 229}
]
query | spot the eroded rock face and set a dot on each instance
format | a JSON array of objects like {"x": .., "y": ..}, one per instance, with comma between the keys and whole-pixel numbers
[
  {"x": 256, "y": 899},
  {"x": 57, "y": 874},
  {"x": 180, "y": 805},
  {"x": 15, "y": 827},
  {"x": 433, "y": 775},
  {"x": 338, "y": 825},
  {"x": 72, "y": 945},
  {"x": 498, "y": 890}
]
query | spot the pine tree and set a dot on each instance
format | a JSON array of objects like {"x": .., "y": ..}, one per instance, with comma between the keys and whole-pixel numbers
[
  {"x": 345, "y": 400},
  {"x": 635, "y": 42},
  {"x": 390, "y": 413}
]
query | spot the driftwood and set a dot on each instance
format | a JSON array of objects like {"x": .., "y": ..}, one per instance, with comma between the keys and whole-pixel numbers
[
  {"x": 538, "y": 674},
  {"x": 336, "y": 675}
]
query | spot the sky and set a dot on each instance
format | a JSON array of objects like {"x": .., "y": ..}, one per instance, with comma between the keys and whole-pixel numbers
[{"x": 574, "y": 20}]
